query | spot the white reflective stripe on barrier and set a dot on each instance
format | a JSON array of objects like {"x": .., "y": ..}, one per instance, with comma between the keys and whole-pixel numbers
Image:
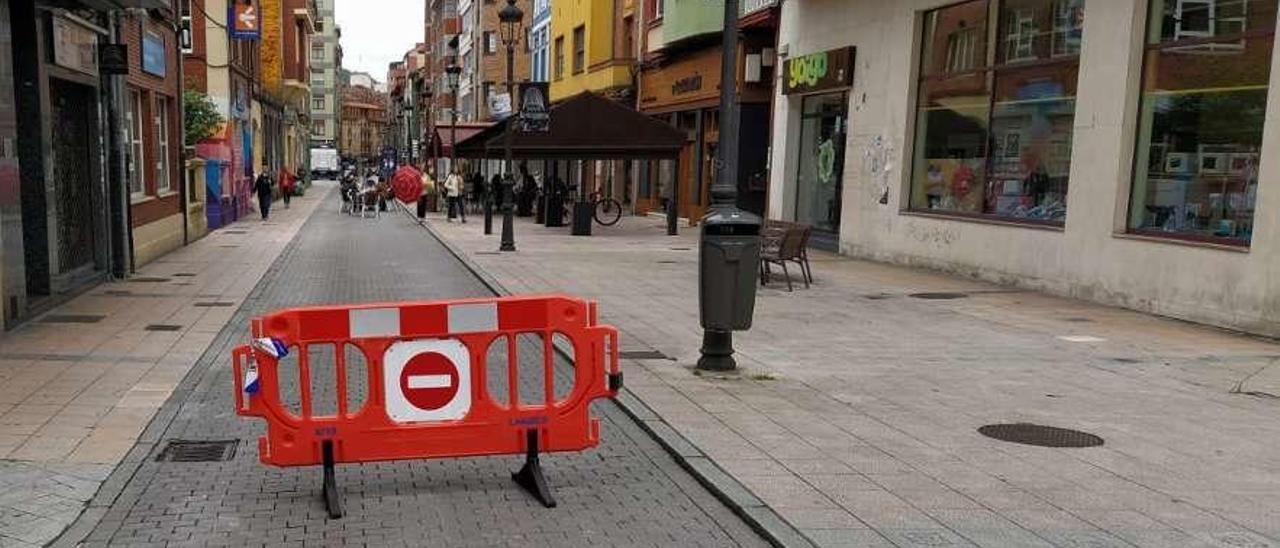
[
  {"x": 374, "y": 322},
  {"x": 473, "y": 318}
]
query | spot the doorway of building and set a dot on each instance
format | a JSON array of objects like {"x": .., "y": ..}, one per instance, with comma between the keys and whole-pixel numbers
[
  {"x": 72, "y": 117},
  {"x": 820, "y": 175}
]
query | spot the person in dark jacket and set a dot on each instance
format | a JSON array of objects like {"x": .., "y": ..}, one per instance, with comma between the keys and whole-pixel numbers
[
  {"x": 262, "y": 186},
  {"x": 478, "y": 192}
]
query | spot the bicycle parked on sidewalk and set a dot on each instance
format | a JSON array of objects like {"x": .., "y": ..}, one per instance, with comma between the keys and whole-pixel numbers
[{"x": 605, "y": 210}]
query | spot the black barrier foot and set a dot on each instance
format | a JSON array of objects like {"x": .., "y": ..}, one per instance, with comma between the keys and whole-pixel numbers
[
  {"x": 530, "y": 476},
  {"x": 332, "y": 498}
]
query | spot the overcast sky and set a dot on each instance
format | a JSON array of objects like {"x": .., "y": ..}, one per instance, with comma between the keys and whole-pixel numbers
[{"x": 377, "y": 32}]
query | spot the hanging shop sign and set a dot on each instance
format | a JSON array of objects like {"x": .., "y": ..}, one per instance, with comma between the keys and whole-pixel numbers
[
  {"x": 113, "y": 59},
  {"x": 243, "y": 20},
  {"x": 826, "y": 70},
  {"x": 535, "y": 117}
]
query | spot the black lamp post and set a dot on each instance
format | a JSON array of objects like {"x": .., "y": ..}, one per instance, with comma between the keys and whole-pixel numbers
[
  {"x": 730, "y": 246},
  {"x": 451, "y": 73},
  {"x": 510, "y": 19}
]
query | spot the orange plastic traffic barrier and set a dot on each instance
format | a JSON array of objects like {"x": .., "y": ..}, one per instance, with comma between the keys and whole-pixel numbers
[{"x": 427, "y": 375}]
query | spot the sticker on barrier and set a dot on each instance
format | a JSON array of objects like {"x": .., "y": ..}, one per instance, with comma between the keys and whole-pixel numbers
[{"x": 428, "y": 384}]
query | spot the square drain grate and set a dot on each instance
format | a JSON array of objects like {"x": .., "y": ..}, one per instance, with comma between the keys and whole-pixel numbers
[
  {"x": 73, "y": 318},
  {"x": 163, "y": 327},
  {"x": 149, "y": 280},
  {"x": 185, "y": 275},
  {"x": 642, "y": 355},
  {"x": 214, "y": 304},
  {"x": 198, "y": 451}
]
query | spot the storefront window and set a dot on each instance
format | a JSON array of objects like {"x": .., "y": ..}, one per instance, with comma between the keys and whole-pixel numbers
[
  {"x": 822, "y": 140},
  {"x": 996, "y": 109},
  {"x": 1204, "y": 99}
]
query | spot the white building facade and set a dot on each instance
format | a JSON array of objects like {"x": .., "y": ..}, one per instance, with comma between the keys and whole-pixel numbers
[
  {"x": 326, "y": 65},
  {"x": 1117, "y": 151},
  {"x": 540, "y": 42}
]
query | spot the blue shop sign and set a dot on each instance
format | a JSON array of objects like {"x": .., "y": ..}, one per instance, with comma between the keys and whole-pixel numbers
[{"x": 153, "y": 57}]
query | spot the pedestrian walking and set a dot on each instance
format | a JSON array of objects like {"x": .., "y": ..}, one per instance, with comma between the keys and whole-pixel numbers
[
  {"x": 428, "y": 188},
  {"x": 453, "y": 193},
  {"x": 263, "y": 187},
  {"x": 478, "y": 192},
  {"x": 288, "y": 183}
]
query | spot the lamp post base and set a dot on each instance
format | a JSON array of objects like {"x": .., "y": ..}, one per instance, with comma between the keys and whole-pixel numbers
[{"x": 717, "y": 351}]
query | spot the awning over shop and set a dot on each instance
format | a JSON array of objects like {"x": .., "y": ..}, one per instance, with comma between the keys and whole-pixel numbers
[
  {"x": 586, "y": 126},
  {"x": 442, "y": 143}
]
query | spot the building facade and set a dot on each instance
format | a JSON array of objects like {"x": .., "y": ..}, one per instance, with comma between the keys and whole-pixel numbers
[
  {"x": 593, "y": 48},
  {"x": 72, "y": 135},
  {"x": 364, "y": 122},
  {"x": 153, "y": 133},
  {"x": 326, "y": 65},
  {"x": 540, "y": 42},
  {"x": 1110, "y": 151},
  {"x": 481, "y": 86},
  {"x": 680, "y": 83}
]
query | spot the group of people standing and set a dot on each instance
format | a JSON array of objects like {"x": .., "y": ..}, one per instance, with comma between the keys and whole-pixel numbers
[
  {"x": 471, "y": 192},
  {"x": 263, "y": 187}
]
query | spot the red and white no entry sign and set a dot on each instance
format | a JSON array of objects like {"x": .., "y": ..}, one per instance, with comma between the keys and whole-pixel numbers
[{"x": 427, "y": 380}]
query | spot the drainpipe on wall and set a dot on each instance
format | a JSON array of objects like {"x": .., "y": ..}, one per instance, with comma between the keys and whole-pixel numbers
[
  {"x": 121, "y": 214},
  {"x": 183, "y": 199}
]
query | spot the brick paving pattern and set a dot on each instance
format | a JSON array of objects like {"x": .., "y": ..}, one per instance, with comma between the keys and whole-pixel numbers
[
  {"x": 856, "y": 414},
  {"x": 627, "y": 492}
]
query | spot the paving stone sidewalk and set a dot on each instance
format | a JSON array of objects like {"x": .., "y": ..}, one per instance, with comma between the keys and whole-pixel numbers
[
  {"x": 74, "y": 396},
  {"x": 857, "y": 411},
  {"x": 626, "y": 492}
]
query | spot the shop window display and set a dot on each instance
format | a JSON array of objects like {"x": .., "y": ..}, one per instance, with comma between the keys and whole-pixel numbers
[
  {"x": 1205, "y": 83},
  {"x": 994, "y": 122}
]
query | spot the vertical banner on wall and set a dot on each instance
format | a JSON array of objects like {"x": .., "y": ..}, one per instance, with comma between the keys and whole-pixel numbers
[
  {"x": 535, "y": 117},
  {"x": 243, "y": 20}
]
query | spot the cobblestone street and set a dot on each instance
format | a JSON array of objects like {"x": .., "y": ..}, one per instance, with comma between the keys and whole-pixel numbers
[{"x": 628, "y": 492}]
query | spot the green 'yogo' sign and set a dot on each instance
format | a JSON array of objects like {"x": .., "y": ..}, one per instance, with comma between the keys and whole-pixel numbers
[
  {"x": 819, "y": 71},
  {"x": 807, "y": 70}
]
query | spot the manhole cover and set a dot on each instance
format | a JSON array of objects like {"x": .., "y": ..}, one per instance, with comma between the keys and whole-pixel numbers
[
  {"x": 942, "y": 296},
  {"x": 235, "y": 232},
  {"x": 163, "y": 327},
  {"x": 73, "y": 318},
  {"x": 185, "y": 275},
  {"x": 642, "y": 355},
  {"x": 117, "y": 292},
  {"x": 681, "y": 248},
  {"x": 1041, "y": 436},
  {"x": 149, "y": 280},
  {"x": 879, "y": 297},
  {"x": 228, "y": 246},
  {"x": 198, "y": 451},
  {"x": 487, "y": 253},
  {"x": 1078, "y": 320},
  {"x": 214, "y": 304},
  {"x": 668, "y": 262}
]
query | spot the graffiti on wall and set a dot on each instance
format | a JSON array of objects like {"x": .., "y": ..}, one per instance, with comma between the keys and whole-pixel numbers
[{"x": 878, "y": 164}]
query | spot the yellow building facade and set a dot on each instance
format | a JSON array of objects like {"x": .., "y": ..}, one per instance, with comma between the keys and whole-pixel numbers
[{"x": 592, "y": 46}]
